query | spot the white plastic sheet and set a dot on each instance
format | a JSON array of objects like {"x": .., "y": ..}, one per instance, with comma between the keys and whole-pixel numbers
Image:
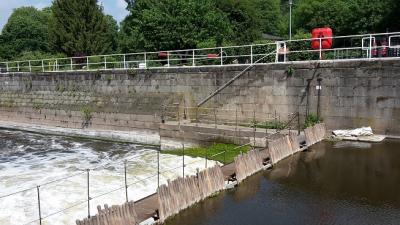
[{"x": 363, "y": 131}]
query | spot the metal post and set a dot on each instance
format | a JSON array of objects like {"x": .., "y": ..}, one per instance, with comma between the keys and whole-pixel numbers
[
  {"x": 168, "y": 58},
  {"x": 56, "y": 69},
  {"x": 298, "y": 123},
  {"x": 30, "y": 68},
  {"x": 215, "y": 118},
  {"x": 42, "y": 66},
  {"x": 193, "y": 59},
  {"x": 125, "y": 61},
  {"x": 40, "y": 210},
  {"x": 145, "y": 59},
  {"x": 87, "y": 63},
  {"x": 105, "y": 62},
  {"x": 183, "y": 160},
  {"x": 255, "y": 128},
  {"x": 88, "y": 192},
  {"x": 222, "y": 56},
  {"x": 236, "y": 120},
  {"x": 251, "y": 54},
  {"x": 224, "y": 156},
  {"x": 206, "y": 156},
  {"x": 72, "y": 67},
  {"x": 158, "y": 166},
  {"x": 320, "y": 48},
  {"x": 7, "y": 67},
  {"x": 126, "y": 182},
  {"x": 17, "y": 66},
  {"x": 319, "y": 97},
  {"x": 370, "y": 46},
  {"x": 290, "y": 19}
]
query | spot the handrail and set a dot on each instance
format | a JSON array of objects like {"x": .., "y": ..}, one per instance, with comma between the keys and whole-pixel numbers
[{"x": 221, "y": 56}]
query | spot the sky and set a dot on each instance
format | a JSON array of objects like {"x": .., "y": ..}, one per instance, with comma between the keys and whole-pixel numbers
[{"x": 116, "y": 8}]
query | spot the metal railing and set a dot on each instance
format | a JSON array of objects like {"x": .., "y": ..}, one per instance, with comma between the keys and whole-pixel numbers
[
  {"x": 367, "y": 46},
  {"x": 128, "y": 182}
]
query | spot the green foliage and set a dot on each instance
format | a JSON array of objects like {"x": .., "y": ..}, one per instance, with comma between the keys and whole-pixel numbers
[
  {"x": 311, "y": 120},
  {"x": 277, "y": 125},
  {"x": 86, "y": 115},
  {"x": 172, "y": 24},
  {"x": 25, "y": 31},
  {"x": 213, "y": 152},
  {"x": 81, "y": 28}
]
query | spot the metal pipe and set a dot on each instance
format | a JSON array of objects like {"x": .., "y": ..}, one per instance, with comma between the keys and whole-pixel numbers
[
  {"x": 193, "y": 58},
  {"x": 290, "y": 19},
  {"x": 30, "y": 68},
  {"x": 88, "y": 192},
  {"x": 126, "y": 182},
  {"x": 183, "y": 160},
  {"x": 222, "y": 56},
  {"x": 319, "y": 97},
  {"x": 158, "y": 166},
  {"x": 40, "y": 210}
]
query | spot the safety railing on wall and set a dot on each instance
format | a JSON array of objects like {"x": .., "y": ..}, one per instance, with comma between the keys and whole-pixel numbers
[
  {"x": 127, "y": 180},
  {"x": 366, "y": 46}
]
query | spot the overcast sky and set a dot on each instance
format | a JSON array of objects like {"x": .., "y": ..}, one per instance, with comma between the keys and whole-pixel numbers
[{"x": 116, "y": 8}]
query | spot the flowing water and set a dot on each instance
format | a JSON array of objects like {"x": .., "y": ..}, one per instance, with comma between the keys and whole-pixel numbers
[
  {"x": 28, "y": 160},
  {"x": 344, "y": 183}
]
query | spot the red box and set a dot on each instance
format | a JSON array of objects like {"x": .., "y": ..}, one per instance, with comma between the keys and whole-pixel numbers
[{"x": 325, "y": 34}]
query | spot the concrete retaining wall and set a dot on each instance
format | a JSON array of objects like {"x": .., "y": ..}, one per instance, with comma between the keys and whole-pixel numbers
[{"x": 354, "y": 94}]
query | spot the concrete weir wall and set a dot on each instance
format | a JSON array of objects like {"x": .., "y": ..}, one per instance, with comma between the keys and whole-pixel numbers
[{"x": 354, "y": 94}]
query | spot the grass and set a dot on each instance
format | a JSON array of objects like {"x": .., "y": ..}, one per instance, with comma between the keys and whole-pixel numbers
[{"x": 213, "y": 152}]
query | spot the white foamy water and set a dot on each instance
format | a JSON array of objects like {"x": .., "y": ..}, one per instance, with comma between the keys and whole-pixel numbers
[{"x": 28, "y": 160}]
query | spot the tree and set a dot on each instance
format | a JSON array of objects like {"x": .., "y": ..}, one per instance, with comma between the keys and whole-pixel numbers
[
  {"x": 173, "y": 24},
  {"x": 81, "y": 28},
  {"x": 269, "y": 13},
  {"x": 26, "y": 30}
]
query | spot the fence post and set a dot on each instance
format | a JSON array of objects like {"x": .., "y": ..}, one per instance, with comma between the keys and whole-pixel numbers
[
  {"x": 88, "y": 192},
  {"x": 183, "y": 160},
  {"x": 40, "y": 210},
  {"x": 193, "y": 58},
  {"x": 30, "y": 67},
  {"x": 158, "y": 166},
  {"x": 277, "y": 52},
  {"x": 125, "y": 61},
  {"x": 72, "y": 67},
  {"x": 17, "y": 66},
  {"x": 298, "y": 123},
  {"x": 56, "y": 70},
  {"x": 251, "y": 54},
  {"x": 370, "y": 46},
  {"x": 126, "y": 182},
  {"x": 222, "y": 56},
  {"x": 145, "y": 59},
  {"x": 215, "y": 118},
  {"x": 168, "y": 58},
  {"x": 42, "y": 66},
  {"x": 320, "y": 48},
  {"x": 105, "y": 62}
]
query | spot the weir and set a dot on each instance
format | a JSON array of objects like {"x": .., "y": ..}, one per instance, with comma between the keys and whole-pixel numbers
[{"x": 182, "y": 193}]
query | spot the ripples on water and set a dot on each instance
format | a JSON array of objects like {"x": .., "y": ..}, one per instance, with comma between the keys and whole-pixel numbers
[
  {"x": 27, "y": 160},
  {"x": 344, "y": 183}
]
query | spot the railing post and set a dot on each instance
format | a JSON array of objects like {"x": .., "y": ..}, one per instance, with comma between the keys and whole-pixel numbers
[
  {"x": 320, "y": 48},
  {"x": 124, "y": 61},
  {"x": 183, "y": 160},
  {"x": 193, "y": 58},
  {"x": 222, "y": 56},
  {"x": 168, "y": 59},
  {"x": 277, "y": 52},
  {"x": 105, "y": 62},
  {"x": 251, "y": 54},
  {"x": 40, "y": 210},
  {"x": 370, "y": 46},
  {"x": 7, "y": 67},
  {"x": 145, "y": 59},
  {"x": 42, "y": 66},
  {"x": 56, "y": 69},
  {"x": 30, "y": 67},
  {"x": 126, "y": 182},
  {"x": 17, "y": 66},
  {"x": 71, "y": 64},
  {"x": 88, "y": 192},
  {"x": 158, "y": 166},
  {"x": 87, "y": 63}
]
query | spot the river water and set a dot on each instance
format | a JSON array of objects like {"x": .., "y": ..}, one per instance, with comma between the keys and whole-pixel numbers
[
  {"x": 28, "y": 160},
  {"x": 343, "y": 183}
]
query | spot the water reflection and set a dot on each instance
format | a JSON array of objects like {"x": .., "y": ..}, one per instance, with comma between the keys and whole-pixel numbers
[{"x": 332, "y": 183}]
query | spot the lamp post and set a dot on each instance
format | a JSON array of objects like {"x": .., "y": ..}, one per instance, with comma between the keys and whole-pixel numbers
[{"x": 290, "y": 19}]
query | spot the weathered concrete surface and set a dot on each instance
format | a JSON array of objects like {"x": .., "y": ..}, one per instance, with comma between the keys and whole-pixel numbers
[{"x": 354, "y": 94}]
